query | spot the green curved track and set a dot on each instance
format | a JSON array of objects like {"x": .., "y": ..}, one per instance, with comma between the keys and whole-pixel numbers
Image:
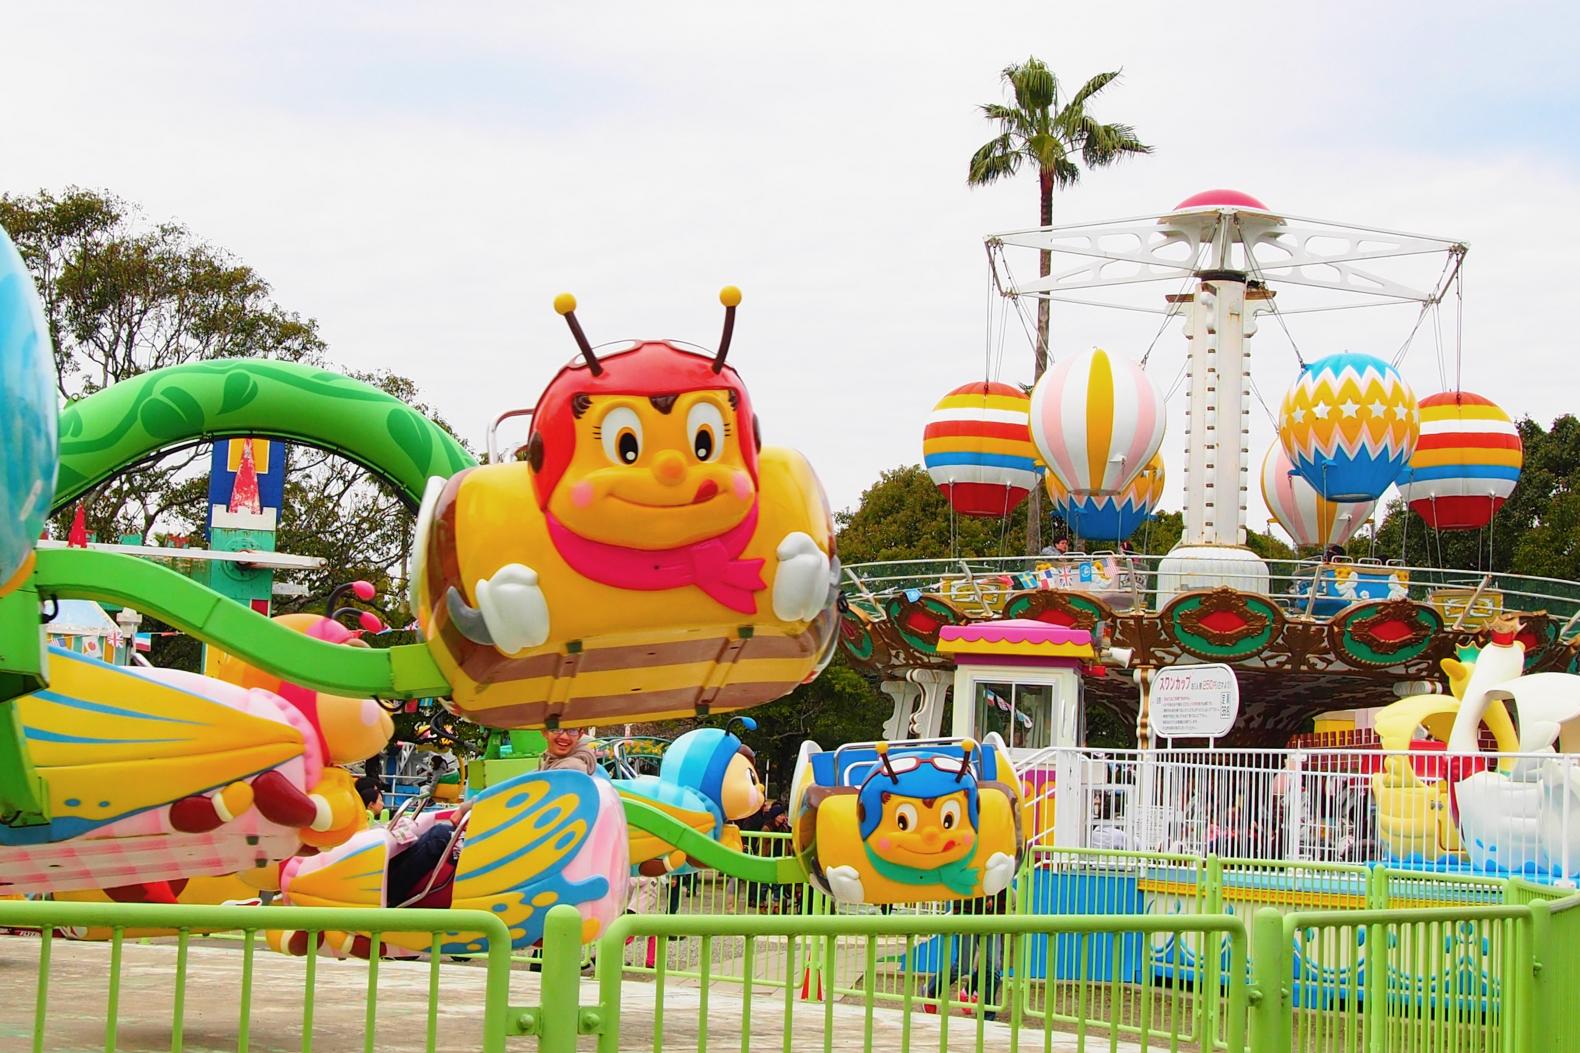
[
  {"x": 406, "y": 671},
  {"x": 785, "y": 870},
  {"x": 129, "y": 422}
]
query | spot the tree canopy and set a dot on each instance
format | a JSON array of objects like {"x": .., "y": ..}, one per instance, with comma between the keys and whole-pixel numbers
[
  {"x": 1054, "y": 135},
  {"x": 1536, "y": 532},
  {"x": 122, "y": 296}
]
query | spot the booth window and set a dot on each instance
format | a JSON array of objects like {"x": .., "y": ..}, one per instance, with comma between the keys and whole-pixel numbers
[{"x": 1022, "y": 714}]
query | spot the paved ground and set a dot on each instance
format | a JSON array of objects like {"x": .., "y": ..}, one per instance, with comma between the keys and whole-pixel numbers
[{"x": 79, "y": 984}]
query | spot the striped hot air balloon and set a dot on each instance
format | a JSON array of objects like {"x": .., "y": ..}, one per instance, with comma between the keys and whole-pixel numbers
[
  {"x": 977, "y": 448},
  {"x": 1349, "y": 425},
  {"x": 1308, "y": 517},
  {"x": 1109, "y": 517},
  {"x": 1466, "y": 463},
  {"x": 1097, "y": 420}
]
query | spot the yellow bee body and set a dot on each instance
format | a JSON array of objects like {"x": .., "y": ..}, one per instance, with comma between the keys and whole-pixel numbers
[
  {"x": 908, "y": 823},
  {"x": 648, "y": 560}
]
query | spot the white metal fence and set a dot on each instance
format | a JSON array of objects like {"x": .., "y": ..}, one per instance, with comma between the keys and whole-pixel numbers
[{"x": 1493, "y": 813}]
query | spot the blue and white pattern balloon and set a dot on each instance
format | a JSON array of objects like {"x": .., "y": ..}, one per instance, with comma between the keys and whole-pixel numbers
[{"x": 29, "y": 414}]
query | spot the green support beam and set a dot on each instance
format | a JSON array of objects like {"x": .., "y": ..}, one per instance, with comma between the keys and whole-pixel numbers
[
  {"x": 23, "y": 797},
  {"x": 784, "y": 870},
  {"x": 127, "y": 423},
  {"x": 406, "y": 671}
]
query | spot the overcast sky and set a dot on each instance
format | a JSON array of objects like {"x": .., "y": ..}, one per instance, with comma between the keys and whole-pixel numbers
[{"x": 423, "y": 181}]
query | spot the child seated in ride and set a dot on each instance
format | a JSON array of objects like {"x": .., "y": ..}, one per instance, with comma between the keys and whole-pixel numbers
[
  {"x": 420, "y": 870},
  {"x": 566, "y": 750}
]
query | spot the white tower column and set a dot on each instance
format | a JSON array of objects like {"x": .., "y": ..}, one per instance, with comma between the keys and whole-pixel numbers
[{"x": 1218, "y": 417}]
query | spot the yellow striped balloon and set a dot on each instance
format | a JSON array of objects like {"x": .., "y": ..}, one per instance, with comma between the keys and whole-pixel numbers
[
  {"x": 976, "y": 447},
  {"x": 1308, "y": 517},
  {"x": 1466, "y": 463},
  {"x": 1097, "y": 420}
]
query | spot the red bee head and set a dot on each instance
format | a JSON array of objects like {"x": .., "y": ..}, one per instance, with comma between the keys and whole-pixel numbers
[{"x": 651, "y": 446}]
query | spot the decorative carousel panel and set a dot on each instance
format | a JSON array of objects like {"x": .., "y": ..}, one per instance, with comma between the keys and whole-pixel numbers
[
  {"x": 1222, "y": 625},
  {"x": 918, "y": 617},
  {"x": 859, "y": 637},
  {"x": 1383, "y": 633},
  {"x": 1072, "y": 610}
]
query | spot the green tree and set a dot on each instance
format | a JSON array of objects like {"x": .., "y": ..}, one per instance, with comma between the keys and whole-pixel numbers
[
  {"x": 123, "y": 296},
  {"x": 1055, "y": 137},
  {"x": 839, "y": 706},
  {"x": 1536, "y": 531},
  {"x": 904, "y": 516}
]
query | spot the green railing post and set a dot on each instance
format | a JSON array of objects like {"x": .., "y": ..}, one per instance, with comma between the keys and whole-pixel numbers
[
  {"x": 1538, "y": 1001},
  {"x": 1272, "y": 1016},
  {"x": 1377, "y": 888},
  {"x": 559, "y": 994},
  {"x": 1372, "y": 959},
  {"x": 1234, "y": 1026},
  {"x": 1212, "y": 980}
]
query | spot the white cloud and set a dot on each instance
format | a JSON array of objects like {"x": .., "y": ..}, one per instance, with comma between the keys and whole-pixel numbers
[{"x": 423, "y": 184}]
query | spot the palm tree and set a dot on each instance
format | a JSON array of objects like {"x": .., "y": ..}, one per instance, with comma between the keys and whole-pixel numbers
[{"x": 1057, "y": 139}]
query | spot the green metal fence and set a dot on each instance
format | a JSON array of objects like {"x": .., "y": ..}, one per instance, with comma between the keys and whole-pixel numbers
[
  {"x": 1229, "y": 966},
  {"x": 1555, "y": 940},
  {"x": 906, "y": 979},
  {"x": 63, "y": 1022}
]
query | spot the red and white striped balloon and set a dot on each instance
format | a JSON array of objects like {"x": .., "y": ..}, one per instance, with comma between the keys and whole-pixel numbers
[
  {"x": 1097, "y": 419},
  {"x": 1465, "y": 465}
]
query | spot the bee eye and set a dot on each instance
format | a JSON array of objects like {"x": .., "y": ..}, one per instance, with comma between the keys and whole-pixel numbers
[
  {"x": 950, "y": 815},
  {"x": 705, "y": 425},
  {"x": 905, "y": 817},
  {"x": 621, "y": 432}
]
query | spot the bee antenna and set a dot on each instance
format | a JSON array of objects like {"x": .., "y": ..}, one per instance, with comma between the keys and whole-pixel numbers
[
  {"x": 730, "y": 297},
  {"x": 883, "y": 758},
  {"x": 565, "y": 304},
  {"x": 967, "y": 748}
]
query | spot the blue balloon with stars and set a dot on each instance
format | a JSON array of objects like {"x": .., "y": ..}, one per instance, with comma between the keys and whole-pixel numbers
[{"x": 1349, "y": 424}]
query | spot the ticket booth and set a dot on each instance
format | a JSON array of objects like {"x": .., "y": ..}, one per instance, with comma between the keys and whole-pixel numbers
[{"x": 1021, "y": 679}]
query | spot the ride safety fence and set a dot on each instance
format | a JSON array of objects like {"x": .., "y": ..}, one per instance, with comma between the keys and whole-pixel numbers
[
  {"x": 1090, "y": 950},
  {"x": 1132, "y": 582},
  {"x": 1508, "y": 814}
]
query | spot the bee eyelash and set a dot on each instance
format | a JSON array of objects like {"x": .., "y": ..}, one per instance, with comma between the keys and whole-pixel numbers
[{"x": 597, "y": 432}]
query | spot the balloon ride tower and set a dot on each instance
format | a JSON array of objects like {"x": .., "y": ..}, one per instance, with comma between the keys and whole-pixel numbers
[
  {"x": 1334, "y": 307},
  {"x": 1231, "y": 258}
]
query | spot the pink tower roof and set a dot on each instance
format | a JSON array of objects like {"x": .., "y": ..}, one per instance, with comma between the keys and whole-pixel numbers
[{"x": 1222, "y": 198}]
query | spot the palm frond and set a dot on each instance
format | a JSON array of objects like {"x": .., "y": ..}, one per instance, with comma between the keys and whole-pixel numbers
[
  {"x": 1103, "y": 144},
  {"x": 992, "y": 161},
  {"x": 1047, "y": 148},
  {"x": 1090, "y": 88},
  {"x": 1009, "y": 119},
  {"x": 1066, "y": 173},
  {"x": 1035, "y": 86}
]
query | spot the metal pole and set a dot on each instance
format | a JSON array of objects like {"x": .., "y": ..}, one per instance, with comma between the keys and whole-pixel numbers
[
  {"x": 559, "y": 1021},
  {"x": 1486, "y": 579},
  {"x": 1271, "y": 1022}
]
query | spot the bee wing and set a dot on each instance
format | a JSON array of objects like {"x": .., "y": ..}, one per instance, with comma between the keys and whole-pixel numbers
[{"x": 524, "y": 830}]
